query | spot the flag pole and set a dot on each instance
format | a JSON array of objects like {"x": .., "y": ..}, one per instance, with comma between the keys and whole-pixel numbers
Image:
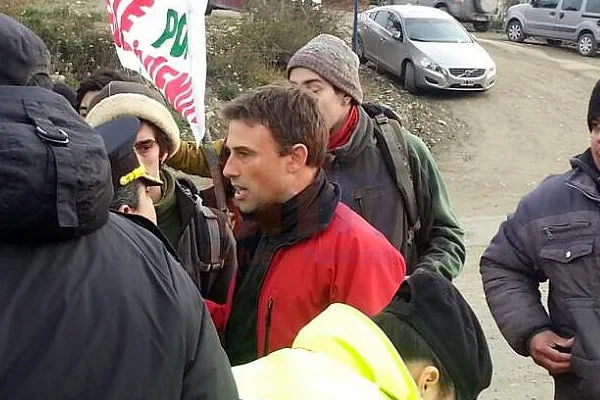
[
  {"x": 196, "y": 25},
  {"x": 355, "y": 26}
]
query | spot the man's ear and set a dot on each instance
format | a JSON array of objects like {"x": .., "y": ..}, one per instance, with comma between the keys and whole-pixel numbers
[
  {"x": 163, "y": 158},
  {"x": 428, "y": 382},
  {"x": 125, "y": 209},
  {"x": 298, "y": 156},
  {"x": 346, "y": 98}
]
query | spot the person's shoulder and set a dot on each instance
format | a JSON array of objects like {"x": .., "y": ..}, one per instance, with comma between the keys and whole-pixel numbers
[
  {"x": 303, "y": 374},
  {"x": 119, "y": 227},
  {"x": 550, "y": 186},
  {"x": 418, "y": 147},
  {"x": 347, "y": 224},
  {"x": 138, "y": 244},
  {"x": 551, "y": 196},
  {"x": 419, "y": 153},
  {"x": 144, "y": 259}
]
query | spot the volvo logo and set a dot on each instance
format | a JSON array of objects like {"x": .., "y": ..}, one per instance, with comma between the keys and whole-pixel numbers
[{"x": 468, "y": 73}]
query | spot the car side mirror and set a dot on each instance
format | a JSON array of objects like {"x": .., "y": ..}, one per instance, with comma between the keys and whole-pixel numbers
[{"x": 397, "y": 35}]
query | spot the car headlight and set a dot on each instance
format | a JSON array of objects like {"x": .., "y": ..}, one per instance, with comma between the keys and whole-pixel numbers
[
  {"x": 430, "y": 65},
  {"x": 492, "y": 70}
]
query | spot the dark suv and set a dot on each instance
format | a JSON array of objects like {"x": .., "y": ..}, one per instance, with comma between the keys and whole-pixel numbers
[
  {"x": 478, "y": 12},
  {"x": 225, "y": 5}
]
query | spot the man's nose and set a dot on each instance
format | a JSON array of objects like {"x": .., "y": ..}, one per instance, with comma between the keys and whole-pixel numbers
[{"x": 229, "y": 170}]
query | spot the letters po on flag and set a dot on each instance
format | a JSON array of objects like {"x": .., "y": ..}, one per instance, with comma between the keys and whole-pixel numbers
[{"x": 165, "y": 42}]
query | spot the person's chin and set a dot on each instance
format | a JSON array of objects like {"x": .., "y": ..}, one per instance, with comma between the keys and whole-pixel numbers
[{"x": 245, "y": 207}]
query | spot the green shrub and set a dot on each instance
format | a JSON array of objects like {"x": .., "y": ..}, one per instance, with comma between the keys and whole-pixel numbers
[
  {"x": 242, "y": 53},
  {"x": 13, "y": 7},
  {"x": 255, "y": 49}
]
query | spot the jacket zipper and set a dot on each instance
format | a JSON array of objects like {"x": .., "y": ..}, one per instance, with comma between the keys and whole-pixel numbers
[
  {"x": 556, "y": 229},
  {"x": 360, "y": 205},
  {"x": 262, "y": 285},
  {"x": 267, "y": 326}
]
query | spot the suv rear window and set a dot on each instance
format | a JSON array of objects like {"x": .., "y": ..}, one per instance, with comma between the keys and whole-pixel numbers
[
  {"x": 593, "y": 6},
  {"x": 545, "y": 4}
]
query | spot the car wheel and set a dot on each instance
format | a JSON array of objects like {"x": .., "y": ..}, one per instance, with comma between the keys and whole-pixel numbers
[
  {"x": 553, "y": 42},
  {"x": 482, "y": 26},
  {"x": 514, "y": 31},
  {"x": 410, "y": 79},
  {"x": 360, "y": 51},
  {"x": 586, "y": 44}
]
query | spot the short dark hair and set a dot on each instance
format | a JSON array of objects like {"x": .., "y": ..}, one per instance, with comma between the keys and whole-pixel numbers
[
  {"x": 67, "y": 92},
  {"x": 96, "y": 81},
  {"x": 128, "y": 195},
  {"x": 411, "y": 346},
  {"x": 292, "y": 116}
]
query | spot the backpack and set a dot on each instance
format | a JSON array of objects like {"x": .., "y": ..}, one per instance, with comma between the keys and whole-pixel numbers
[
  {"x": 391, "y": 140},
  {"x": 214, "y": 229}
]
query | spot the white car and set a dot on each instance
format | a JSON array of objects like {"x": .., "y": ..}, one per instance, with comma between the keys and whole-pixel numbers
[{"x": 425, "y": 47}]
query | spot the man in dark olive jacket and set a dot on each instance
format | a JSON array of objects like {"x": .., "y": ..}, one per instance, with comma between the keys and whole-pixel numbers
[{"x": 92, "y": 306}]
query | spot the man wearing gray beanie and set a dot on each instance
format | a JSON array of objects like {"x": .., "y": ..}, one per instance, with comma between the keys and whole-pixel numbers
[{"x": 387, "y": 175}]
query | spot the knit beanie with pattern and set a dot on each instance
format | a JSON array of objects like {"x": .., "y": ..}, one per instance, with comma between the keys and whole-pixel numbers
[{"x": 330, "y": 57}]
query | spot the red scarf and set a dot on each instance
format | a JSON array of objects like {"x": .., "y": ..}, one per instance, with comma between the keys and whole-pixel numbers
[{"x": 341, "y": 137}]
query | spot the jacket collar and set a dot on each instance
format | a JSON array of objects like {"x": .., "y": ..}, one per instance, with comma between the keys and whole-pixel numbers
[
  {"x": 150, "y": 226},
  {"x": 359, "y": 139},
  {"x": 585, "y": 176},
  {"x": 586, "y": 163},
  {"x": 304, "y": 215},
  {"x": 365, "y": 348}
]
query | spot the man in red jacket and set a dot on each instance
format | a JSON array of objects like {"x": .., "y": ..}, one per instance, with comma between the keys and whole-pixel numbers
[{"x": 299, "y": 248}]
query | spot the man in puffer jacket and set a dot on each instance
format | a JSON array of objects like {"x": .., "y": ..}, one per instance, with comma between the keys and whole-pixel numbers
[
  {"x": 92, "y": 306},
  {"x": 554, "y": 235}
]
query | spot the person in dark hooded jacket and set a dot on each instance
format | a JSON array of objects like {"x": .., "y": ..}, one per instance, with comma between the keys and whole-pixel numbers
[
  {"x": 92, "y": 306},
  {"x": 554, "y": 235}
]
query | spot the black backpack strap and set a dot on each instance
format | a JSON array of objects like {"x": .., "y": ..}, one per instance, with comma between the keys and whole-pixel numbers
[
  {"x": 391, "y": 139},
  {"x": 211, "y": 247},
  {"x": 212, "y": 160},
  {"x": 214, "y": 238}
]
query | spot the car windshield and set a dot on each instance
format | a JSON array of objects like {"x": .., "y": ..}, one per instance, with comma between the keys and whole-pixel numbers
[{"x": 436, "y": 30}]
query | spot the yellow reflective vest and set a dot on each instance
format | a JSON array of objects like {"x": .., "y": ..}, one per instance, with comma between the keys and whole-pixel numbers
[{"x": 341, "y": 354}]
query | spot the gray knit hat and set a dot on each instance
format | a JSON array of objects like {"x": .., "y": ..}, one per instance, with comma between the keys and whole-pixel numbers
[{"x": 331, "y": 58}]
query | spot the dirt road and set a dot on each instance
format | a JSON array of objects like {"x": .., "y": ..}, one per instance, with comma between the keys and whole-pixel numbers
[{"x": 519, "y": 132}]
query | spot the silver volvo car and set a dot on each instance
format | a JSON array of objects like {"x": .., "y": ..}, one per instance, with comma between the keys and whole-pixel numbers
[{"x": 425, "y": 47}]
